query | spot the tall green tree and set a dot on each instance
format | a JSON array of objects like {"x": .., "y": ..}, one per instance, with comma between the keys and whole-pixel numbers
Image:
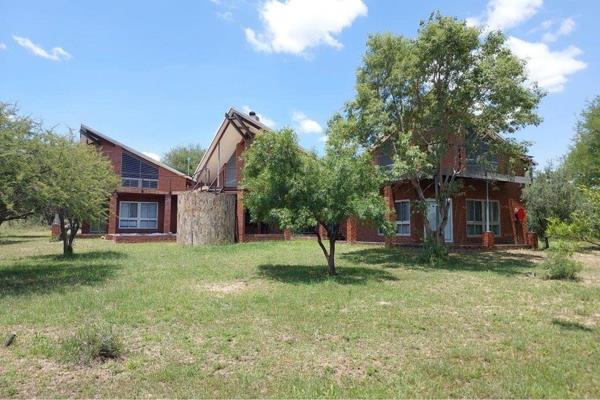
[
  {"x": 584, "y": 223},
  {"x": 550, "y": 195},
  {"x": 425, "y": 96},
  {"x": 78, "y": 183},
  {"x": 583, "y": 160},
  {"x": 184, "y": 158},
  {"x": 299, "y": 190},
  {"x": 21, "y": 172}
]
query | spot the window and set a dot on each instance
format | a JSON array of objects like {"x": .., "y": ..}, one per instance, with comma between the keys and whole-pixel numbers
[
  {"x": 137, "y": 173},
  {"x": 383, "y": 155},
  {"x": 402, "y": 208},
  {"x": 140, "y": 215},
  {"x": 231, "y": 172},
  {"x": 476, "y": 216},
  {"x": 402, "y": 217}
]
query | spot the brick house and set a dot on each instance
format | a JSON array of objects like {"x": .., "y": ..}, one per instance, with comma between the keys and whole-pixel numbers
[
  {"x": 499, "y": 188},
  {"x": 220, "y": 171},
  {"x": 144, "y": 208}
]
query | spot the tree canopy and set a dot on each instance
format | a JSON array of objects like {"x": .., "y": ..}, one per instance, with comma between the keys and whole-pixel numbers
[
  {"x": 425, "y": 96},
  {"x": 298, "y": 190},
  {"x": 184, "y": 158},
  {"x": 21, "y": 172},
  {"x": 78, "y": 183},
  {"x": 583, "y": 160},
  {"x": 550, "y": 195}
]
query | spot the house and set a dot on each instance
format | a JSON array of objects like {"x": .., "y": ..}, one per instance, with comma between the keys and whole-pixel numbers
[
  {"x": 499, "y": 188},
  {"x": 493, "y": 191},
  {"x": 220, "y": 169},
  {"x": 144, "y": 208}
]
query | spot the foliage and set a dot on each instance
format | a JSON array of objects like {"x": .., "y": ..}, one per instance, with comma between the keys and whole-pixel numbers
[
  {"x": 78, "y": 182},
  {"x": 21, "y": 172},
  {"x": 550, "y": 195},
  {"x": 184, "y": 158},
  {"x": 298, "y": 190},
  {"x": 560, "y": 263},
  {"x": 432, "y": 253},
  {"x": 92, "y": 342},
  {"x": 426, "y": 96},
  {"x": 583, "y": 161},
  {"x": 584, "y": 224}
]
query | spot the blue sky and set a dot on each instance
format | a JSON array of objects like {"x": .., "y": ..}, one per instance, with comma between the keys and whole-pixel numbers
[{"x": 158, "y": 74}]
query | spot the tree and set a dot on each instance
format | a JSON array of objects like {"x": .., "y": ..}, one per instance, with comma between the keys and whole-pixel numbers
[
  {"x": 583, "y": 161},
  {"x": 20, "y": 170},
  {"x": 550, "y": 195},
  {"x": 79, "y": 181},
  {"x": 584, "y": 224},
  {"x": 426, "y": 96},
  {"x": 298, "y": 190},
  {"x": 184, "y": 158}
]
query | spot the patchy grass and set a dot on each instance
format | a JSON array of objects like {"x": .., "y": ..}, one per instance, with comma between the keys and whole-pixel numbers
[{"x": 264, "y": 320}]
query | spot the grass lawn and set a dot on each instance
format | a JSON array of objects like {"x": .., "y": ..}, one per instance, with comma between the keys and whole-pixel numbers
[{"x": 264, "y": 320}]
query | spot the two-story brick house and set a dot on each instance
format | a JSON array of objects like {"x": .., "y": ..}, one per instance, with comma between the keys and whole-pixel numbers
[
  {"x": 493, "y": 190},
  {"x": 144, "y": 208}
]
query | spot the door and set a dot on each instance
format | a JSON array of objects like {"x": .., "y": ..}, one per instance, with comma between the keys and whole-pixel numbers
[{"x": 432, "y": 216}]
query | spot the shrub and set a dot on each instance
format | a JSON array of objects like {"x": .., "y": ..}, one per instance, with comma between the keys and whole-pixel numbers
[
  {"x": 92, "y": 342},
  {"x": 432, "y": 253},
  {"x": 559, "y": 264}
]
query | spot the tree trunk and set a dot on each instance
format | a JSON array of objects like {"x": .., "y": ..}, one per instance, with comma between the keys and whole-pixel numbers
[{"x": 331, "y": 258}]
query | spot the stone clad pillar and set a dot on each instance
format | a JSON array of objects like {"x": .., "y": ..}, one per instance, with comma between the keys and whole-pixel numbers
[{"x": 241, "y": 217}]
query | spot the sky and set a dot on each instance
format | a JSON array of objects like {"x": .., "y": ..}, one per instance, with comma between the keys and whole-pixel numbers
[{"x": 159, "y": 74}]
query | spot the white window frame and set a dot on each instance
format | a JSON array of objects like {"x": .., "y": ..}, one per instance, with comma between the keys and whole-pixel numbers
[
  {"x": 397, "y": 222},
  {"x": 483, "y": 217},
  {"x": 139, "y": 213},
  {"x": 403, "y": 223},
  {"x": 139, "y": 183}
]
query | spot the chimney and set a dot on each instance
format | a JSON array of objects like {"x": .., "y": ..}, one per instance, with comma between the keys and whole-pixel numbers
[{"x": 253, "y": 115}]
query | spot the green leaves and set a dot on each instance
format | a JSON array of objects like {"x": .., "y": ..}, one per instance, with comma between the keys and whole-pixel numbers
[{"x": 184, "y": 158}]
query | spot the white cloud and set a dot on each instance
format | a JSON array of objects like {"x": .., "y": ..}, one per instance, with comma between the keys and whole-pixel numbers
[
  {"x": 506, "y": 14},
  {"x": 153, "y": 156},
  {"x": 566, "y": 27},
  {"x": 2, "y": 46},
  {"x": 56, "y": 54},
  {"x": 294, "y": 26},
  {"x": 549, "y": 68},
  {"x": 225, "y": 15},
  {"x": 305, "y": 124},
  {"x": 264, "y": 119},
  {"x": 323, "y": 138}
]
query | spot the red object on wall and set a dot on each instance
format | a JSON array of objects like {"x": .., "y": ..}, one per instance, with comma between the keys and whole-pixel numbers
[{"x": 520, "y": 214}]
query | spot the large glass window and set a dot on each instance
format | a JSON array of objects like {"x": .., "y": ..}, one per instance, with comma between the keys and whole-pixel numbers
[
  {"x": 402, "y": 217},
  {"x": 476, "y": 217},
  {"x": 140, "y": 215},
  {"x": 138, "y": 173}
]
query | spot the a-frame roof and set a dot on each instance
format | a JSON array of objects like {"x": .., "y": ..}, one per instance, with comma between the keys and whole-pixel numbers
[
  {"x": 236, "y": 125},
  {"x": 86, "y": 130}
]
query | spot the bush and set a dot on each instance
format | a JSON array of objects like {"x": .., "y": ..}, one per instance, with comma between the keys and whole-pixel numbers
[
  {"x": 559, "y": 264},
  {"x": 432, "y": 253},
  {"x": 92, "y": 342}
]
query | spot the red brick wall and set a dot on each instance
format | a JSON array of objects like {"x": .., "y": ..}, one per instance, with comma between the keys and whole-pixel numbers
[
  {"x": 167, "y": 180},
  {"x": 504, "y": 192}
]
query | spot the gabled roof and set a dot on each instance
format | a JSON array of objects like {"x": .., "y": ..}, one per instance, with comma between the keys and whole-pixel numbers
[
  {"x": 244, "y": 124},
  {"x": 87, "y": 130}
]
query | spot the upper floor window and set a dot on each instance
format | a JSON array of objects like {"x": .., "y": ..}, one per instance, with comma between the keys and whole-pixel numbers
[
  {"x": 231, "y": 172},
  {"x": 384, "y": 155},
  {"x": 478, "y": 154},
  {"x": 137, "y": 173}
]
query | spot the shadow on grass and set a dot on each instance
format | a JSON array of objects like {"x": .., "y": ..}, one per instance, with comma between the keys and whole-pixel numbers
[
  {"x": 306, "y": 274},
  {"x": 500, "y": 262},
  {"x": 43, "y": 274},
  {"x": 570, "y": 325},
  {"x": 13, "y": 238}
]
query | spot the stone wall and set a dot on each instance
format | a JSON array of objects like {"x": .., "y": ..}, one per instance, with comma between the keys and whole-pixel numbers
[{"x": 205, "y": 218}]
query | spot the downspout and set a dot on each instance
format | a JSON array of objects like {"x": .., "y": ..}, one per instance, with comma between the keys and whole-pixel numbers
[{"x": 487, "y": 203}]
